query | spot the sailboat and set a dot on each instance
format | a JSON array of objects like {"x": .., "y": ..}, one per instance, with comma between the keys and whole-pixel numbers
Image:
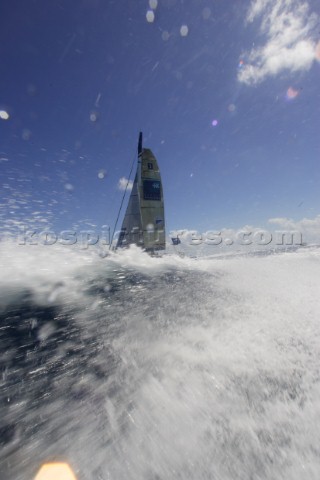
[{"x": 144, "y": 223}]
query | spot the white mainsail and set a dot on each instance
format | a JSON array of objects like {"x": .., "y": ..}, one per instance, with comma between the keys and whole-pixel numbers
[{"x": 143, "y": 223}]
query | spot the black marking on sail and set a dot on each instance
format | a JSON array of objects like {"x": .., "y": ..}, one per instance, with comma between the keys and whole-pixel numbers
[
  {"x": 140, "y": 144},
  {"x": 152, "y": 190}
]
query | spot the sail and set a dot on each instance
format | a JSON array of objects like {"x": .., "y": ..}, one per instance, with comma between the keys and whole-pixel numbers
[
  {"x": 144, "y": 223},
  {"x": 151, "y": 202},
  {"x": 132, "y": 226}
]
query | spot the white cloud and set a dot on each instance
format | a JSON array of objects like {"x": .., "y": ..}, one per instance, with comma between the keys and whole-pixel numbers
[
  {"x": 249, "y": 238},
  {"x": 288, "y": 26},
  {"x": 308, "y": 227},
  {"x": 123, "y": 182},
  {"x": 279, "y": 220}
]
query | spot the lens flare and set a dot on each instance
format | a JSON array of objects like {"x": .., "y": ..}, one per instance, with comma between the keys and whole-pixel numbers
[
  {"x": 26, "y": 134},
  {"x": 206, "y": 12},
  {"x": 69, "y": 187},
  {"x": 165, "y": 35},
  {"x": 292, "y": 93},
  {"x": 214, "y": 123},
  {"x": 317, "y": 52}
]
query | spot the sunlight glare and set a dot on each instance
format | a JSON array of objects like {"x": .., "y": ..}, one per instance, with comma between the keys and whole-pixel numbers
[{"x": 55, "y": 471}]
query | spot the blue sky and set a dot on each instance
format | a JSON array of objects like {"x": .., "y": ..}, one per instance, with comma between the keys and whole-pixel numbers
[{"x": 231, "y": 110}]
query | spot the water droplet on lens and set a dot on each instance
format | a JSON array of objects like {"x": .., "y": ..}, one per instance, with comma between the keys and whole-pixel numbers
[
  {"x": 4, "y": 115},
  {"x": 150, "y": 16},
  {"x": 184, "y": 30}
]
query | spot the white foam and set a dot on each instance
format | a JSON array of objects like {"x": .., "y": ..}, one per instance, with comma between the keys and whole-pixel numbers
[{"x": 216, "y": 373}]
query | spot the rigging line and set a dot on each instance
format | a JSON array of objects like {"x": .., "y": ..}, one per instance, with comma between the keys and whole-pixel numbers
[{"x": 124, "y": 194}]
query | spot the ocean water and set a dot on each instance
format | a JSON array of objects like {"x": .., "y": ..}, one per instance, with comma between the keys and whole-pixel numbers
[{"x": 132, "y": 367}]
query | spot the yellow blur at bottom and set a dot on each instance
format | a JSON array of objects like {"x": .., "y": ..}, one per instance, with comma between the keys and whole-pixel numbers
[{"x": 55, "y": 471}]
